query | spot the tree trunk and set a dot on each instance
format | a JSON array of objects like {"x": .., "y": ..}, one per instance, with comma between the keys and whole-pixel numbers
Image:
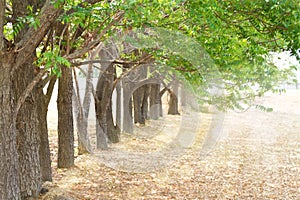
[
  {"x": 113, "y": 131},
  {"x": 104, "y": 93},
  {"x": 127, "y": 108},
  {"x": 154, "y": 101},
  {"x": 44, "y": 150},
  {"x": 161, "y": 93},
  {"x": 81, "y": 113},
  {"x": 104, "y": 106},
  {"x": 9, "y": 164},
  {"x": 65, "y": 119},
  {"x": 137, "y": 105},
  {"x": 173, "y": 104},
  {"x": 173, "y": 101},
  {"x": 140, "y": 99},
  {"x": 145, "y": 105},
  {"x": 28, "y": 138}
]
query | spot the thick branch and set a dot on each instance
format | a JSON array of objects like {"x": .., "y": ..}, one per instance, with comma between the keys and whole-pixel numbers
[
  {"x": 120, "y": 62},
  {"x": 33, "y": 37},
  {"x": 50, "y": 89},
  {"x": 94, "y": 43}
]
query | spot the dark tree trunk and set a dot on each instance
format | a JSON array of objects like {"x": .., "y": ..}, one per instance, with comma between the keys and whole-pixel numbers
[
  {"x": 155, "y": 101},
  {"x": 113, "y": 131},
  {"x": 28, "y": 138},
  {"x": 140, "y": 102},
  {"x": 104, "y": 106},
  {"x": 103, "y": 98},
  {"x": 145, "y": 105},
  {"x": 173, "y": 101},
  {"x": 44, "y": 150},
  {"x": 65, "y": 119},
  {"x": 9, "y": 165},
  {"x": 137, "y": 105},
  {"x": 104, "y": 93},
  {"x": 173, "y": 104}
]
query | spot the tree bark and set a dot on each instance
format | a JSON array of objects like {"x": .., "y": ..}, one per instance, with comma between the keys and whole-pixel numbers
[
  {"x": 140, "y": 99},
  {"x": 104, "y": 106},
  {"x": 113, "y": 131},
  {"x": 127, "y": 108},
  {"x": 82, "y": 112},
  {"x": 173, "y": 101},
  {"x": 44, "y": 151},
  {"x": 137, "y": 102},
  {"x": 145, "y": 105},
  {"x": 9, "y": 164},
  {"x": 28, "y": 138},
  {"x": 65, "y": 119}
]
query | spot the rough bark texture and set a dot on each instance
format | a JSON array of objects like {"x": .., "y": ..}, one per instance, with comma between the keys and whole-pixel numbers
[
  {"x": 100, "y": 137},
  {"x": 9, "y": 164},
  {"x": 104, "y": 91},
  {"x": 44, "y": 151},
  {"x": 145, "y": 104},
  {"x": 140, "y": 102},
  {"x": 137, "y": 102},
  {"x": 100, "y": 105},
  {"x": 113, "y": 131},
  {"x": 28, "y": 139},
  {"x": 104, "y": 105},
  {"x": 65, "y": 120}
]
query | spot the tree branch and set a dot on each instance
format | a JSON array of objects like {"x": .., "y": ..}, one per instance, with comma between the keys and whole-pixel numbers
[
  {"x": 33, "y": 37},
  {"x": 50, "y": 89},
  {"x": 95, "y": 42},
  {"x": 120, "y": 62}
]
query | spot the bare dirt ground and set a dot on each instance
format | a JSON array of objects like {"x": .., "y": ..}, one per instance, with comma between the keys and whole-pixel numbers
[{"x": 257, "y": 156}]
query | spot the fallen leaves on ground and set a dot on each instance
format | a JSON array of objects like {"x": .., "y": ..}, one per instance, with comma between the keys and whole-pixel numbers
[{"x": 252, "y": 162}]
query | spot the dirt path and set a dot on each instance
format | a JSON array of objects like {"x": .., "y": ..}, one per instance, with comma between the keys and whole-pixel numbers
[{"x": 257, "y": 156}]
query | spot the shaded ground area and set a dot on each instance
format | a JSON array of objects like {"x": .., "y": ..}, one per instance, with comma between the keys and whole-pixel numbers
[{"x": 257, "y": 156}]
